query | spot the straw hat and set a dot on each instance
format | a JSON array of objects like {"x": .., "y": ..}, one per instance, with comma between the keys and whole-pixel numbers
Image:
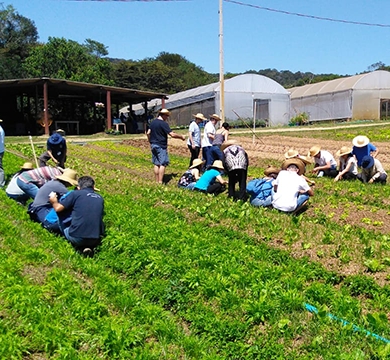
[
  {"x": 291, "y": 153},
  {"x": 69, "y": 176},
  {"x": 305, "y": 159},
  {"x": 164, "y": 112},
  {"x": 199, "y": 116},
  {"x": 196, "y": 163},
  {"x": 215, "y": 117},
  {"x": 314, "y": 150},
  {"x": 27, "y": 166},
  {"x": 271, "y": 170},
  {"x": 294, "y": 161},
  {"x": 227, "y": 143},
  {"x": 218, "y": 165},
  {"x": 360, "y": 141},
  {"x": 344, "y": 151}
]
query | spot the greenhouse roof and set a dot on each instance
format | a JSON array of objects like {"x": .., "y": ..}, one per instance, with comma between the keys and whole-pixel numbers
[
  {"x": 369, "y": 81},
  {"x": 246, "y": 83}
]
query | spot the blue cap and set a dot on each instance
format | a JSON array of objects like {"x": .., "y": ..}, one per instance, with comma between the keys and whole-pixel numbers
[{"x": 367, "y": 162}]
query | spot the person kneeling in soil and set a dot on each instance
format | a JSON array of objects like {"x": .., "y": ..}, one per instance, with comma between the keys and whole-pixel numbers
[
  {"x": 191, "y": 176},
  {"x": 325, "y": 164},
  {"x": 348, "y": 164},
  {"x": 87, "y": 208},
  {"x": 211, "y": 182},
  {"x": 372, "y": 171},
  {"x": 291, "y": 190},
  {"x": 261, "y": 190}
]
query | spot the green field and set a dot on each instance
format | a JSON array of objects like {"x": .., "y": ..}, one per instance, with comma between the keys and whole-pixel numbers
[{"x": 183, "y": 275}]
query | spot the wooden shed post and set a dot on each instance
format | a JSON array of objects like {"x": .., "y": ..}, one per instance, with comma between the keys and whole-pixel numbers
[
  {"x": 46, "y": 108},
  {"x": 108, "y": 109}
]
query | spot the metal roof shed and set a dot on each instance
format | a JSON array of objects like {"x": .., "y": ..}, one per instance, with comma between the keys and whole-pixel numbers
[{"x": 20, "y": 113}]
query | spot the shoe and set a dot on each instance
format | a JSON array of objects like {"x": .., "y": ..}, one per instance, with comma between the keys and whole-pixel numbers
[
  {"x": 320, "y": 174},
  {"x": 87, "y": 252},
  {"x": 299, "y": 208}
]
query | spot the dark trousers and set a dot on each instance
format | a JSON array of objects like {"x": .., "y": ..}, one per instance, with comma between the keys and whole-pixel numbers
[
  {"x": 194, "y": 153},
  {"x": 237, "y": 176},
  {"x": 381, "y": 179}
]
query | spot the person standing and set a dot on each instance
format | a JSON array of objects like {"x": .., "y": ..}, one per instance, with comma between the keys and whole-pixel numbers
[
  {"x": 158, "y": 138},
  {"x": 208, "y": 138},
  {"x": 362, "y": 147},
  {"x": 87, "y": 210},
  {"x": 236, "y": 164},
  {"x": 193, "y": 141},
  {"x": 2, "y": 137},
  {"x": 220, "y": 137},
  {"x": 56, "y": 150}
]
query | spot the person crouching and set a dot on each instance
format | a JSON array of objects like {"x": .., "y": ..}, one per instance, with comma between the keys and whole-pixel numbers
[{"x": 291, "y": 191}]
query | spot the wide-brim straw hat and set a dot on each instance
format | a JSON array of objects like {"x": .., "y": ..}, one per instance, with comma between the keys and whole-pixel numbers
[
  {"x": 227, "y": 143},
  {"x": 345, "y": 150},
  {"x": 218, "y": 165},
  {"x": 199, "y": 116},
  {"x": 314, "y": 150},
  {"x": 305, "y": 159},
  {"x": 164, "y": 112},
  {"x": 294, "y": 161},
  {"x": 360, "y": 141},
  {"x": 291, "y": 153},
  {"x": 27, "y": 166},
  {"x": 215, "y": 116},
  {"x": 69, "y": 175},
  {"x": 196, "y": 163},
  {"x": 271, "y": 170}
]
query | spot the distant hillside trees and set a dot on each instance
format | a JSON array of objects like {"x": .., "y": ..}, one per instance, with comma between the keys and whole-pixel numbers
[
  {"x": 66, "y": 59},
  {"x": 18, "y": 35},
  {"x": 166, "y": 73}
]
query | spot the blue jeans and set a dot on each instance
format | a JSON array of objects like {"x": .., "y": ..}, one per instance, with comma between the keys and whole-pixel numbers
[
  {"x": 206, "y": 153},
  {"x": 2, "y": 176},
  {"x": 259, "y": 202},
  {"x": 29, "y": 188},
  {"x": 190, "y": 186},
  {"x": 301, "y": 199},
  {"x": 215, "y": 153}
]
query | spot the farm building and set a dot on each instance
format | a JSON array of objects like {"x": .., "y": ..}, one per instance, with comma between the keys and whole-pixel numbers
[
  {"x": 243, "y": 94},
  {"x": 359, "y": 97}
]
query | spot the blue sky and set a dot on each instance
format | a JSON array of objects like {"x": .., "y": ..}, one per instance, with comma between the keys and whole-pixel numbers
[{"x": 254, "y": 38}]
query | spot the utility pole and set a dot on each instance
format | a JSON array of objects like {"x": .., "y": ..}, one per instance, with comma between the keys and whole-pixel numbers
[{"x": 221, "y": 70}]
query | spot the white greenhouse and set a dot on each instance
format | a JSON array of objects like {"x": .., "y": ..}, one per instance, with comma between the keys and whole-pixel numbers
[
  {"x": 359, "y": 97},
  {"x": 246, "y": 96}
]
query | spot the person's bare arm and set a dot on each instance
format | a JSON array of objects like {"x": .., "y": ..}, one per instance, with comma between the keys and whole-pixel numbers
[
  {"x": 176, "y": 136},
  {"x": 221, "y": 180},
  {"x": 54, "y": 202},
  {"x": 148, "y": 134}
]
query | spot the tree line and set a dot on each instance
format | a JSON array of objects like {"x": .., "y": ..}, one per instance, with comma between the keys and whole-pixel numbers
[{"x": 22, "y": 56}]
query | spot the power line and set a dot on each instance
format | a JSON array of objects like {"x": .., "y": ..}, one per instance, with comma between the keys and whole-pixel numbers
[
  {"x": 308, "y": 16},
  {"x": 130, "y": 0}
]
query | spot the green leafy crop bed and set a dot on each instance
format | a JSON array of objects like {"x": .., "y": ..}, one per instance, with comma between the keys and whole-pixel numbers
[{"x": 182, "y": 275}]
